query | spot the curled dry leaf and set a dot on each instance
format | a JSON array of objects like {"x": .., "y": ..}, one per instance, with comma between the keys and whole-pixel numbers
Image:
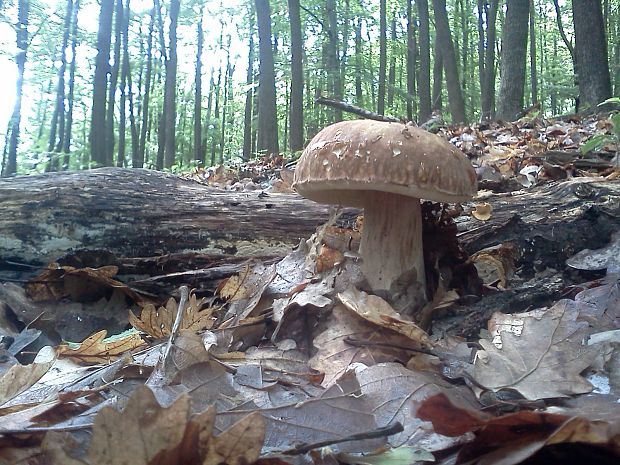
[
  {"x": 240, "y": 444},
  {"x": 98, "y": 349},
  {"x": 157, "y": 322},
  {"x": 482, "y": 211},
  {"x": 374, "y": 309},
  {"x": 18, "y": 378},
  {"x": 496, "y": 265}
]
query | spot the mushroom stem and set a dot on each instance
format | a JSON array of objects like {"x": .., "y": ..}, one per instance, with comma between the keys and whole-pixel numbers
[{"x": 391, "y": 239}]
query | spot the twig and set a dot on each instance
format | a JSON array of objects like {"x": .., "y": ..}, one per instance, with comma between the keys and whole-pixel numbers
[
  {"x": 389, "y": 430},
  {"x": 355, "y": 110},
  {"x": 177, "y": 322}
]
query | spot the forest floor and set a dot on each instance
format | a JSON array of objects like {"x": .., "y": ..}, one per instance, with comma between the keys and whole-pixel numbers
[{"x": 288, "y": 359}]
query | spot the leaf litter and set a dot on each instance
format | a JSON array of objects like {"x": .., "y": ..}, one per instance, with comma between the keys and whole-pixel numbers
[{"x": 296, "y": 362}]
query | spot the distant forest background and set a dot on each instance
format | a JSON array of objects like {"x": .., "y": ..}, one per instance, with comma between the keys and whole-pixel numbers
[{"x": 146, "y": 90}]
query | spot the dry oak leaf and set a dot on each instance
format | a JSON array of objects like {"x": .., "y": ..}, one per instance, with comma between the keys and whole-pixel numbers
[
  {"x": 158, "y": 322},
  {"x": 540, "y": 353},
  {"x": 240, "y": 444},
  {"x": 98, "y": 349},
  {"x": 81, "y": 284},
  {"x": 18, "y": 378},
  {"x": 374, "y": 309}
]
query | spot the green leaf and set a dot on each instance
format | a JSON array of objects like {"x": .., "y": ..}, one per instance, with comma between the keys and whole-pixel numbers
[
  {"x": 615, "y": 124},
  {"x": 610, "y": 100},
  {"x": 400, "y": 456},
  {"x": 595, "y": 143}
]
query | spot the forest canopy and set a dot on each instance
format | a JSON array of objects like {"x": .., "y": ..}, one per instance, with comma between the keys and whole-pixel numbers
[{"x": 182, "y": 83}]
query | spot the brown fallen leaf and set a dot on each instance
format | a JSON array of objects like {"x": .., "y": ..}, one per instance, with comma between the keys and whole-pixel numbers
[
  {"x": 98, "y": 349},
  {"x": 374, "y": 309},
  {"x": 496, "y": 265},
  {"x": 157, "y": 322},
  {"x": 513, "y": 438},
  {"x": 238, "y": 445},
  {"x": 18, "y": 378},
  {"x": 540, "y": 353},
  {"x": 81, "y": 284}
]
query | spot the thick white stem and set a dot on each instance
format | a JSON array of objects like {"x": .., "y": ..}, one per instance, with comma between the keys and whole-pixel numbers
[{"x": 392, "y": 239}]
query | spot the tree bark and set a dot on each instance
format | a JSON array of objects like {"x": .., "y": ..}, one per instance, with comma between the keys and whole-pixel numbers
[
  {"x": 138, "y": 162},
  {"x": 116, "y": 66},
  {"x": 533, "y": 70},
  {"x": 170, "y": 88},
  {"x": 267, "y": 111},
  {"x": 424, "y": 78},
  {"x": 412, "y": 53},
  {"x": 23, "y": 8},
  {"x": 333, "y": 62},
  {"x": 382, "y": 56},
  {"x": 514, "y": 48},
  {"x": 296, "y": 119},
  {"x": 591, "y": 54},
  {"x": 198, "y": 90},
  {"x": 487, "y": 16},
  {"x": 70, "y": 95},
  {"x": 448, "y": 57},
  {"x": 249, "y": 93},
  {"x": 154, "y": 213}
]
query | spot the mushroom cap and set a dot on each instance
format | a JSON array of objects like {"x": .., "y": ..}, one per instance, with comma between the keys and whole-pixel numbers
[{"x": 364, "y": 155}]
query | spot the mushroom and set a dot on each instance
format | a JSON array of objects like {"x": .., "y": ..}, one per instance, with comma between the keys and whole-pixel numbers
[{"x": 385, "y": 168}]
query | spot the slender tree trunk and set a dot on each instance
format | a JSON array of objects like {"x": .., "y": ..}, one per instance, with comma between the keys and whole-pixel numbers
[
  {"x": 514, "y": 48},
  {"x": 227, "y": 82},
  {"x": 97, "y": 136},
  {"x": 125, "y": 81},
  {"x": 198, "y": 90},
  {"x": 464, "y": 16},
  {"x": 448, "y": 57},
  {"x": 412, "y": 52},
  {"x": 333, "y": 63},
  {"x": 359, "y": 95},
  {"x": 382, "y": 56},
  {"x": 296, "y": 120},
  {"x": 138, "y": 162},
  {"x": 23, "y": 10},
  {"x": 170, "y": 87},
  {"x": 487, "y": 16},
  {"x": 533, "y": 69},
  {"x": 267, "y": 111},
  {"x": 218, "y": 88},
  {"x": 70, "y": 103},
  {"x": 591, "y": 53},
  {"x": 392, "y": 69},
  {"x": 118, "y": 26},
  {"x": 207, "y": 126},
  {"x": 437, "y": 78},
  {"x": 58, "y": 116},
  {"x": 424, "y": 79},
  {"x": 249, "y": 93}
]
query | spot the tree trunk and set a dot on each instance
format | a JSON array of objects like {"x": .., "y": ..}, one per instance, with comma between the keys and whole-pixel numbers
[
  {"x": 382, "y": 56},
  {"x": 333, "y": 63},
  {"x": 216, "y": 118},
  {"x": 533, "y": 70},
  {"x": 448, "y": 57},
  {"x": 267, "y": 111},
  {"x": 391, "y": 87},
  {"x": 296, "y": 120},
  {"x": 487, "y": 16},
  {"x": 207, "y": 126},
  {"x": 249, "y": 93},
  {"x": 226, "y": 96},
  {"x": 514, "y": 48},
  {"x": 110, "y": 137},
  {"x": 198, "y": 90},
  {"x": 424, "y": 77},
  {"x": 591, "y": 53},
  {"x": 437, "y": 104},
  {"x": 359, "y": 95},
  {"x": 57, "y": 125},
  {"x": 412, "y": 53},
  {"x": 170, "y": 88},
  {"x": 23, "y": 7},
  {"x": 70, "y": 103},
  {"x": 139, "y": 161},
  {"x": 125, "y": 80},
  {"x": 188, "y": 216}
]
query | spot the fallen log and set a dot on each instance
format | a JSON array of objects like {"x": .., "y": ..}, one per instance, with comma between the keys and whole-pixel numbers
[{"x": 143, "y": 213}]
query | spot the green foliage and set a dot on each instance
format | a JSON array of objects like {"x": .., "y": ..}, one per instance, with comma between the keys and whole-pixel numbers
[{"x": 600, "y": 140}]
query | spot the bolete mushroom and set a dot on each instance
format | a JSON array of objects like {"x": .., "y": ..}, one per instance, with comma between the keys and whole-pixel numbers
[{"x": 385, "y": 168}]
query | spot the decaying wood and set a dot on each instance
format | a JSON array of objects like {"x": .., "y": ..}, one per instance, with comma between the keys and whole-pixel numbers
[
  {"x": 344, "y": 106},
  {"x": 142, "y": 213}
]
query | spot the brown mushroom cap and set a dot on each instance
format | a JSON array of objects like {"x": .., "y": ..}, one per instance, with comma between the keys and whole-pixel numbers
[{"x": 366, "y": 155}]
